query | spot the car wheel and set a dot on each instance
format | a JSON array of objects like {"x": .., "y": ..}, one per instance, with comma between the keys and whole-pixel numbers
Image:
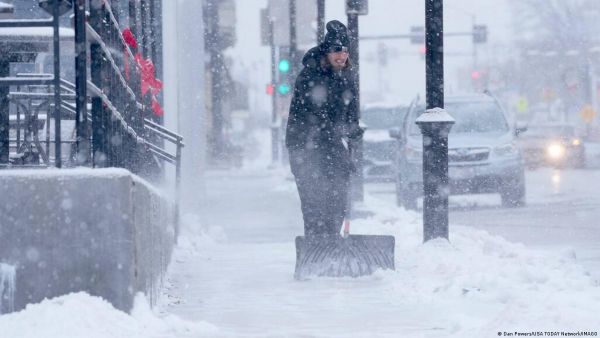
[{"x": 512, "y": 193}]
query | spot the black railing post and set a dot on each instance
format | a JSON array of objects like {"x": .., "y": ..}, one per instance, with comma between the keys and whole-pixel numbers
[
  {"x": 57, "y": 101},
  {"x": 81, "y": 121},
  {"x": 98, "y": 134},
  {"x": 146, "y": 33},
  {"x": 4, "y": 112}
]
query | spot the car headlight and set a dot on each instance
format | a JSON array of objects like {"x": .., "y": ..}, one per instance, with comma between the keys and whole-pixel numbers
[
  {"x": 576, "y": 142},
  {"x": 413, "y": 155},
  {"x": 555, "y": 151},
  {"x": 506, "y": 149}
]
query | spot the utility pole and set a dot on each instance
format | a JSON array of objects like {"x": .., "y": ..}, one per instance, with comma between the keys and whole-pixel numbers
[
  {"x": 274, "y": 126},
  {"x": 357, "y": 182},
  {"x": 216, "y": 69},
  {"x": 293, "y": 35},
  {"x": 320, "y": 21}
]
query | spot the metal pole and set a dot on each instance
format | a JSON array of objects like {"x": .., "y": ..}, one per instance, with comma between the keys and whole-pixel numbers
[
  {"x": 474, "y": 45},
  {"x": 293, "y": 40},
  {"x": 216, "y": 69},
  {"x": 274, "y": 127},
  {"x": 434, "y": 54},
  {"x": 177, "y": 187},
  {"x": 435, "y": 135},
  {"x": 57, "y": 136},
  {"x": 4, "y": 111},
  {"x": 98, "y": 126},
  {"x": 435, "y": 174},
  {"x": 81, "y": 121},
  {"x": 320, "y": 20},
  {"x": 357, "y": 184}
]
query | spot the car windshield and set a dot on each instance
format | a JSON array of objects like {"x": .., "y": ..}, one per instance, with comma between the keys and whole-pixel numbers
[
  {"x": 382, "y": 118},
  {"x": 470, "y": 117},
  {"x": 550, "y": 131}
]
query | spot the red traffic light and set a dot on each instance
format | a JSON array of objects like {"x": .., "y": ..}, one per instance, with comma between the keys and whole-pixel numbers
[{"x": 270, "y": 89}]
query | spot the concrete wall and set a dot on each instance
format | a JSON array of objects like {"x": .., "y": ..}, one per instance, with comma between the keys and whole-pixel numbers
[{"x": 103, "y": 231}]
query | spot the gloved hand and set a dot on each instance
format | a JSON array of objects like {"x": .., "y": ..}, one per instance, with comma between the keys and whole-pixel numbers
[{"x": 355, "y": 132}]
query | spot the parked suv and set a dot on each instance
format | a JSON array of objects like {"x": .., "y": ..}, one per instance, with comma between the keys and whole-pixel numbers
[{"x": 482, "y": 154}]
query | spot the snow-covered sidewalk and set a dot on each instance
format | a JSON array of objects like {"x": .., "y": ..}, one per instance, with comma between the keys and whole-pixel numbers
[
  {"x": 232, "y": 276},
  {"x": 476, "y": 285}
]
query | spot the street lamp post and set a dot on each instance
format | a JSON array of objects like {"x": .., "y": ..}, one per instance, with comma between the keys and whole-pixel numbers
[
  {"x": 354, "y": 8},
  {"x": 435, "y": 125}
]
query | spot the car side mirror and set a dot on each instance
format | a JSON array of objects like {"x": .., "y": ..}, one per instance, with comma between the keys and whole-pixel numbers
[
  {"x": 395, "y": 133},
  {"x": 520, "y": 128}
]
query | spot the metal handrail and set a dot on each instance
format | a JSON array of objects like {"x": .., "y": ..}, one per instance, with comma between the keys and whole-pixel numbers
[
  {"x": 98, "y": 93},
  {"x": 97, "y": 39}
]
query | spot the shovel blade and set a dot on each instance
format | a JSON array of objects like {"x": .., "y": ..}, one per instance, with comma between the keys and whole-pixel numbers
[{"x": 336, "y": 256}]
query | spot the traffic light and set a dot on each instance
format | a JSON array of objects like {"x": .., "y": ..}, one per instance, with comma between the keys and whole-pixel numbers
[
  {"x": 479, "y": 33},
  {"x": 284, "y": 69},
  {"x": 359, "y": 7},
  {"x": 270, "y": 89},
  {"x": 283, "y": 84},
  {"x": 479, "y": 79},
  {"x": 417, "y": 35},
  {"x": 422, "y": 51},
  {"x": 284, "y": 65}
]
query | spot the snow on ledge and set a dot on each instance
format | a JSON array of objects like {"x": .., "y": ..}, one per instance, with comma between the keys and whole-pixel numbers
[
  {"x": 435, "y": 115},
  {"x": 80, "y": 173},
  {"x": 66, "y": 172},
  {"x": 82, "y": 315}
]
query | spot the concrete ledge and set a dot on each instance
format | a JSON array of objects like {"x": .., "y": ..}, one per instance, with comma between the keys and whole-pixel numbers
[{"x": 103, "y": 231}]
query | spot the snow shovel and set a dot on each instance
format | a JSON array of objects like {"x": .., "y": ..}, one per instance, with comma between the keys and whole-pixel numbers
[{"x": 343, "y": 256}]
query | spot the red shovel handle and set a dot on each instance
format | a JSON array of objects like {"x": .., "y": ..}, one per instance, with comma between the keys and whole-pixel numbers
[{"x": 346, "y": 227}]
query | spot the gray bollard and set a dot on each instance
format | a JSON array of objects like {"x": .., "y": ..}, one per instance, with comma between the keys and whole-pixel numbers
[{"x": 435, "y": 125}]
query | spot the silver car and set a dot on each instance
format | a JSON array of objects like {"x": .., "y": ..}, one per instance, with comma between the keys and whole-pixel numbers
[
  {"x": 378, "y": 146},
  {"x": 482, "y": 154}
]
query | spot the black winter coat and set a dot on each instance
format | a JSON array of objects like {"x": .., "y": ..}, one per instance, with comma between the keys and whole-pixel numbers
[{"x": 323, "y": 111}]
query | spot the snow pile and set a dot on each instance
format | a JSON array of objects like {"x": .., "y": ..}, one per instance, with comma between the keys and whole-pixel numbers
[
  {"x": 484, "y": 283},
  {"x": 81, "y": 315}
]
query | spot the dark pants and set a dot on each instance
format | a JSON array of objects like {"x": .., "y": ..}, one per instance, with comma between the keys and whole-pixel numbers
[{"x": 323, "y": 189}]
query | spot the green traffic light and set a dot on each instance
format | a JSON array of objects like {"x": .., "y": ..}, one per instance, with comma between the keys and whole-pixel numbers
[
  {"x": 284, "y": 66},
  {"x": 283, "y": 88}
]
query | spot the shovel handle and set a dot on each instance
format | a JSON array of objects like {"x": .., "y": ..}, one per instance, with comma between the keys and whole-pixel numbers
[{"x": 346, "y": 227}]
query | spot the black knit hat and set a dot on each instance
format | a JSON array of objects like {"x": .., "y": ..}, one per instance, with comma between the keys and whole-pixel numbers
[{"x": 336, "y": 37}]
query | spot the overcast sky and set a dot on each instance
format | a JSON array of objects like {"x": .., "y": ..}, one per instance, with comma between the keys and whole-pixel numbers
[{"x": 404, "y": 75}]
